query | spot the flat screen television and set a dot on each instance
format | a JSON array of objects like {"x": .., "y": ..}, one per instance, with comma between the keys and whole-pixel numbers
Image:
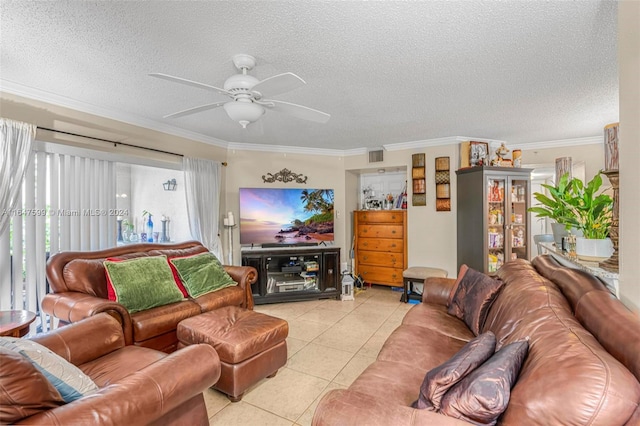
[{"x": 285, "y": 216}]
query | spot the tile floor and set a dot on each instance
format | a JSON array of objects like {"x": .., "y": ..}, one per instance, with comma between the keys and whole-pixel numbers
[{"x": 330, "y": 343}]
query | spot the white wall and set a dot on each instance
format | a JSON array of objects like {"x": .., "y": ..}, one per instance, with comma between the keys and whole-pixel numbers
[{"x": 629, "y": 150}]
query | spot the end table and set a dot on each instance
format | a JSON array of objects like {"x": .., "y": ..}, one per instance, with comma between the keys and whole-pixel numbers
[{"x": 15, "y": 323}]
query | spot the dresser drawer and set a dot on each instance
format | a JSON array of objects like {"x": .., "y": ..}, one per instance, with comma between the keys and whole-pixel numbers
[
  {"x": 380, "y": 231},
  {"x": 380, "y": 216},
  {"x": 377, "y": 258},
  {"x": 381, "y": 275},
  {"x": 381, "y": 244}
]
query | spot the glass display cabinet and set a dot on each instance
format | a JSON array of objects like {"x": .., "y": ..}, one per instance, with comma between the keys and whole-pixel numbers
[{"x": 492, "y": 218}]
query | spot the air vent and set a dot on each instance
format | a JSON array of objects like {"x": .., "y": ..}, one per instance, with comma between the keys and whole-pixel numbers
[{"x": 376, "y": 156}]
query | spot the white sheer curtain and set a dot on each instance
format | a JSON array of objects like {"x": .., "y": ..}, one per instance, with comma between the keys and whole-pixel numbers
[
  {"x": 202, "y": 186},
  {"x": 15, "y": 155}
]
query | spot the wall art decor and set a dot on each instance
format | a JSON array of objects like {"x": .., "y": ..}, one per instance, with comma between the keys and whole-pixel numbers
[
  {"x": 563, "y": 165},
  {"x": 284, "y": 175},
  {"x": 611, "y": 146},
  {"x": 478, "y": 154},
  {"x": 419, "y": 196},
  {"x": 443, "y": 185}
]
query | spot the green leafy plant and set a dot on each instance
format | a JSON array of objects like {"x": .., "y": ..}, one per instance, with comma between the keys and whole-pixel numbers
[
  {"x": 590, "y": 210},
  {"x": 555, "y": 206}
]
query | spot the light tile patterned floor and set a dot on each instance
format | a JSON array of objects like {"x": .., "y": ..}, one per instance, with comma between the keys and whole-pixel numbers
[{"x": 330, "y": 343}]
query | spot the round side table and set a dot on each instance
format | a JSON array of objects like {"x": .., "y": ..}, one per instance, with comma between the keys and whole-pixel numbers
[{"x": 15, "y": 323}]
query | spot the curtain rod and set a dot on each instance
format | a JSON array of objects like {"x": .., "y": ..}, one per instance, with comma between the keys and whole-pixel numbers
[{"x": 115, "y": 143}]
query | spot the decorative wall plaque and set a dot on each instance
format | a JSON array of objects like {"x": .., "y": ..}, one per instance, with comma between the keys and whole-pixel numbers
[
  {"x": 419, "y": 195},
  {"x": 443, "y": 185},
  {"x": 284, "y": 175},
  {"x": 563, "y": 166},
  {"x": 611, "y": 146}
]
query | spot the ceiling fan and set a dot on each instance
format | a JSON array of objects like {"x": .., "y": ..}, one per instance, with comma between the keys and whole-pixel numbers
[{"x": 247, "y": 103}]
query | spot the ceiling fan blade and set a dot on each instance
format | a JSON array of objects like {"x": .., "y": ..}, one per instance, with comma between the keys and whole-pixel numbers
[
  {"x": 296, "y": 110},
  {"x": 195, "y": 109},
  {"x": 278, "y": 84},
  {"x": 190, "y": 83}
]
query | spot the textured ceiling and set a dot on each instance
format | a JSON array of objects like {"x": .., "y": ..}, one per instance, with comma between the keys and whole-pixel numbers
[{"x": 387, "y": 72}]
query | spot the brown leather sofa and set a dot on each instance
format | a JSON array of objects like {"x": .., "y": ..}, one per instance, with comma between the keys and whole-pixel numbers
[
  {"x": 582, "y": 368},
  {"x": 137, "y": 386},
  {"x": 79, "y": 290}
]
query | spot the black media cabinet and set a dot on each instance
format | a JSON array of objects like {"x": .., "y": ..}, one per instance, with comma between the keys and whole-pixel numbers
[{"x": 294, "y": 273}]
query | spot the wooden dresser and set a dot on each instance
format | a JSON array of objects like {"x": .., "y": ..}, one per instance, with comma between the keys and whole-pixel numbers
[{"x": 381, "y": 246}]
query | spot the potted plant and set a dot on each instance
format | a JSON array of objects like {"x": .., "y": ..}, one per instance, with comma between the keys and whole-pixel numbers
[
  {"x": 555, "y": 206},
  {"x": 591, "y": 212}
]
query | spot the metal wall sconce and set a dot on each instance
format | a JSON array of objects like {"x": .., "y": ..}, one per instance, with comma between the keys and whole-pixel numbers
[{"x": 170, "y": 185}]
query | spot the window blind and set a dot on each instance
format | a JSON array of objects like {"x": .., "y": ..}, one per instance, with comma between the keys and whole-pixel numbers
[{"x": 67, "y": 202}]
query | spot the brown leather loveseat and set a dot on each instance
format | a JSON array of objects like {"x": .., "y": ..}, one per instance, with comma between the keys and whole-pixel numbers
[
  {"x": 136, "y": 385},
  {"x": 79, "y": 290},
  {"x": 582, "y": 367}
]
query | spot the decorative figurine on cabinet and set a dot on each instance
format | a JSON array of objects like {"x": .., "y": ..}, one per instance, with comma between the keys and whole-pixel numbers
[{"x": 500, "y": 160}]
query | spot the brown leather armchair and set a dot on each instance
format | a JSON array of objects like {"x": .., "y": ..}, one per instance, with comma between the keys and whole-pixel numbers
[{"x": 137, "y": 386}]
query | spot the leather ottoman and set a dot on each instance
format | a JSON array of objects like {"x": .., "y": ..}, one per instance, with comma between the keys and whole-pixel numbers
[{"x": 251, "y": 345}]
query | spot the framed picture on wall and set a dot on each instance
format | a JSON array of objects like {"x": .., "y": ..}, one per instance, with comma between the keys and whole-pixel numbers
[{"x": 478, "y": 153}]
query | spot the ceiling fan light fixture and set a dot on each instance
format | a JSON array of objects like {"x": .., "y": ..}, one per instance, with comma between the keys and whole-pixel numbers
[
  {"x": 240, "y": 83},
  {"x": 248, "y": 103},
  {"x": 243, "y": 111}
]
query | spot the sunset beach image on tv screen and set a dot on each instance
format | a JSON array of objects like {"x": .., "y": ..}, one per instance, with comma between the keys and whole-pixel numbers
[{"x": 285, "y": 215}]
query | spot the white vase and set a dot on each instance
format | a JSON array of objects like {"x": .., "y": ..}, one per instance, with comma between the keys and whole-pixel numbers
[
  {"x": 594, "y": 249},
  {"x": 559, "y": 231}
]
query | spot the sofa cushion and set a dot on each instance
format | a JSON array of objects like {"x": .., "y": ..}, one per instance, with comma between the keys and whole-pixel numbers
[
  {"x": 67, "y": 379},
  {"x": 437, "y": 318},
  {"x": 419, "y": 347},
  {"x": 111, "y": 295},
  {"x": 392, "y": 382},
  {"x": 153, "y": 322},
  {"x": 440, "y": 379},
  {"x": 201, "y": 273},
  {"x": 473, "y": 296},
  {"x": 461, "y": 273},
  {"x": 24, "y": 391},
  {"x": 230, "y": 296},
  {"x": 483, "y": 395},
  {"x": 141, "y": 283}
]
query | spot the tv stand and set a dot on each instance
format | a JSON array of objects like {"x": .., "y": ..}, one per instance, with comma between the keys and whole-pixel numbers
[{"x": 295, "y": 273}]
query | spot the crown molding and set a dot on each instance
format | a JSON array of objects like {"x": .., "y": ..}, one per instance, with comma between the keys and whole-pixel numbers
[
  {"x": 296, "y": 149},
  {"x": 561, "y": 143},
  {"x": 58, "y": 100},
  {"x": 425, "y": 143},
  {"x": 452, "y": 140}
]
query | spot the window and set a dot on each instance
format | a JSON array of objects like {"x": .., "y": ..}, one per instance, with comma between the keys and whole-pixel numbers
[
  {"x": 72, "y": 199},
  {"x": 140, "y": 189}
]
